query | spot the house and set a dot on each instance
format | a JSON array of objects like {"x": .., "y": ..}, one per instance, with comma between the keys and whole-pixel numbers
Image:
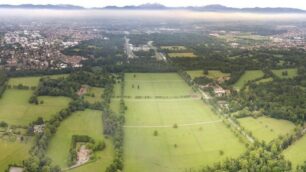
[{"x": 39, "y": 128}]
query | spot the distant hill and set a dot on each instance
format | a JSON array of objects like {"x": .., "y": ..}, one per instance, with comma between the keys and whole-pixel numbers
[
  {"x": 48, "y": 6},
  {"x": 156, "y": 6}
]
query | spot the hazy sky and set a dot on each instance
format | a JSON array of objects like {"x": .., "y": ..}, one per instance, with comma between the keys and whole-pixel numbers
[{"x": 233, "y": 3}]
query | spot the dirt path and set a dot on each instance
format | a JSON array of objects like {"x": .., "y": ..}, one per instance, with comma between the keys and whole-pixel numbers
[{"x": 171, "y": 126}]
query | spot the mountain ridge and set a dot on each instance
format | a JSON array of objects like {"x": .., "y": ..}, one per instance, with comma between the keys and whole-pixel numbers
[{"x": 156, "y": 6}]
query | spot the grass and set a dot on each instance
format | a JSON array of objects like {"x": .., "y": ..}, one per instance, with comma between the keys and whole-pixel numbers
[
  {"x": 265, "y": 128},
  {"x": 291, "y": 73},
  {"x": 88, "y": 122},
  {"x": 182, "y": 55},
  {"x": 296, "y": 152},
  {"x": 173, "y": 48},
  {"x": 196, "y": 145},
  {"x": 94, "y": 95},
  {"x": 264, "y": 80},
  {"x": 13, "y": 153},
  {"x": 248, "y": 76},
  {"x": 167, "y": 84},
  {"x": 30, "y": 81},
  {"x": 213, "y": 74},
  {"x": 15, "y": 108}
]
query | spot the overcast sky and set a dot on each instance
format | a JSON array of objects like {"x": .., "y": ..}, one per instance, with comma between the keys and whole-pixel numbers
[{"x": 233, "y": 3}]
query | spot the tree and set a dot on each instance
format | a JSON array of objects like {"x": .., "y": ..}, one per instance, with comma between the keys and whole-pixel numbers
[{"x": 155, "y": 133}]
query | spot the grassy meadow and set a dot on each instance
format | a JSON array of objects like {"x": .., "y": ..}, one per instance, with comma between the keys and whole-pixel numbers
[
  {"x": 15, "y": 108},
  {"x": 213, "y": 74},
  {"x": 88, "y": 122},
  {"x": 248, "y": 76},
  {"x": 296, "y": 152},
  {"x": 265, "y": 128},
  {"x": 193, "y": 144},
  {"x": 182, "y": 55},
  {"x": 291, "y": 73},
  {"x": 13, "y": 153},
  {"x": 93, "y": 95}
]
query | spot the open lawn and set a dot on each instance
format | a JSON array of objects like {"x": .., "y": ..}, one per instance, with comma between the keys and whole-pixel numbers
[
  {"x": 173, "y": 48},
  {"x": 291, "y": 73},
  {"x": 248, "y": 76},
  {"x": 182, "y": 55},
  {"x": 30, "y": 81},
  {"x": 88, "y": 122},
  {"x": 265, "y": 128},
  {"x": 213, "y": 74},
  {"x": 296, "y": 152},
  {"x": 15, "y": 108},
  {"x": 167, "y": 84},
  {"x": 94, "y": 94},
  {"x": 196, "y": 142},
  {"x": 13, "y": 152},
  {"x": 264, "y": 80}
]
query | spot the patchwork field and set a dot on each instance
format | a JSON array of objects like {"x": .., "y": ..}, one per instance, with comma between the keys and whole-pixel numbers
[
  {"x": 291, "y": 73},
  {"x": 296, "y": 152},
  {"x": 13, "y": 152},
  {"x": 15, "y": 108},
  {"x": 187, "y": 132},
  {"x": 182, "y": 55},
  {"x": 213, "y": 74},
  {"x": 248, "y": 76},
  {"x": 265, "y": 128},
  {"x": 88, "y": 122}
]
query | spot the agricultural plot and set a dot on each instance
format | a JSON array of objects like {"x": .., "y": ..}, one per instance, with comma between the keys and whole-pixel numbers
[
  {"x": 290, "y": 73},
  {"x": 249, "y": 75},
  {"x": 16, "y": 109},
  {"x": 213, "y": 74},
  {"x": 13, "y": 153},
  {"x": 173, "y": 48},
  {"x": 172, "y": 134},
  {"x": 182, "y": 55},
  {"x": 265, "y": 128},
  {"x": 88, "y": 122},
  {"x": 296, "y": 152}
]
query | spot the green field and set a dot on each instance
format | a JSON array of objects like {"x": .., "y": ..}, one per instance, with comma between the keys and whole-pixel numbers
[
  {"x": 15, "y": 108},
  {"x": 296, "y": 152},
  {"x": 155, "y": 85},
  {"x": 173, "y": 48},
  {"x": 265, "y": 128},
  {"x": 291, "y": 73},
  {"x": 88, "y": 122},
  {"x": 248, "y": 76},
  {"x": 264, "y": 80},
  {"x": 213, "y": 74},
  {"x": 182, "y": 55},
  {"x": 30, "y": 81},
  {"x": 93, "y": 94},
  {"x": 13, "y": 152},
  {"x": 198, "y": 138}
]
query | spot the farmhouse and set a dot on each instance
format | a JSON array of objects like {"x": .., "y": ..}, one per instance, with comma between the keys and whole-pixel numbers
[
  {"x": 16, "y": 169},
  {"x": 39, "y": 128},
  {"x": 219, "y": 91}
]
